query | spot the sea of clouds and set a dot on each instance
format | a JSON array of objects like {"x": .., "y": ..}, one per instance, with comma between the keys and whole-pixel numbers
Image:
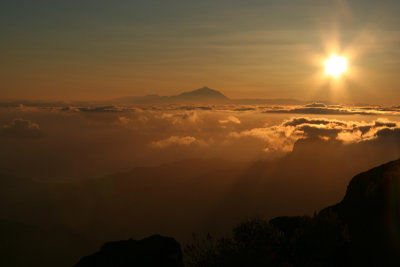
[{"x": 63, "y": 141}]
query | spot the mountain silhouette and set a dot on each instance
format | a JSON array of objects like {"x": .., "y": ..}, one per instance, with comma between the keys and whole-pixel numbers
[
  {"x": 361, "y": 230},
  {"x": 152, "y": 251},
  {"x": 203, "y": 95},
  {"x": 371, "y": 210}
]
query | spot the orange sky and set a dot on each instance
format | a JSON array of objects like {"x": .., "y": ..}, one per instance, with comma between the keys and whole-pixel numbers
[{"x": 266, "y": 49}]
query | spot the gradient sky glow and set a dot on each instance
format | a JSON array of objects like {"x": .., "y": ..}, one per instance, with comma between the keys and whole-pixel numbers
[{"x": 268, "y": 49}]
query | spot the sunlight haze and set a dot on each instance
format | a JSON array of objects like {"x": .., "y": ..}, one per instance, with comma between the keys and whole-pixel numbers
[{"x": 98, "y": 50}]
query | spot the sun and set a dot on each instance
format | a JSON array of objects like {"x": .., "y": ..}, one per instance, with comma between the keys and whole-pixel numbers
[{"x": 335, "y": 66}]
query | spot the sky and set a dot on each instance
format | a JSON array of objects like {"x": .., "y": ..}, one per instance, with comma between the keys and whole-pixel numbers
[{"x": 97, "y": 50}]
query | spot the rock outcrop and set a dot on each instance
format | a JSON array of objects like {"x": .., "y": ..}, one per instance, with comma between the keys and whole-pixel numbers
[{"x": 154, "y": 251}]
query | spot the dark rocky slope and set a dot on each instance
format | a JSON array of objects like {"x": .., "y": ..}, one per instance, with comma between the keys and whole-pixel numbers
[
  {"x": 152, "y": 251},
  {"x": 362, "y": 230},
  {"x": 371, "y": 210}
]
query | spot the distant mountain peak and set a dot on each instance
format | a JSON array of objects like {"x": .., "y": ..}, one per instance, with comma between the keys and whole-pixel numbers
[
  {"x": 206, "y": 89},
  {"x": 204, "y": 92},
  {"x": 202, "y": 95}
]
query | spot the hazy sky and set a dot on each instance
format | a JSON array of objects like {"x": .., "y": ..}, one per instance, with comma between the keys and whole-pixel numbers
[{"x": 106, "y": 49}]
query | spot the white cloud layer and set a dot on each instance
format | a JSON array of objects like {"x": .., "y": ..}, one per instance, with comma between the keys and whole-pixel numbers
[{"x": 282, "y": 137}]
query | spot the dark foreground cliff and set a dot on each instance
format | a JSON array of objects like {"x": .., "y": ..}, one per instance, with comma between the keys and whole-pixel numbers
[
  {"x": 371, "y": 211},
  {"x": 152, "y": 251},
  {"x": 362, "y": 230}
]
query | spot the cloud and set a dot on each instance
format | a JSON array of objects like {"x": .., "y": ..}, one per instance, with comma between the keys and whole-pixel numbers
[
  {"x": 176, "y": 140},
  {"x": 276, "y": 138},
  {"x": 97, "y": 109},
  {"x": 164, "y": 133},
  {"x": 230, "y": 119},
  {"x": 283, "y": 137},
  {"x": 193, "y": 108},
  {"x": 388, "y": 132},
  {"x": 244, "y": 109},
  {"x": 20, "y": 128},
  {"x": 315, "y": 131},
  {"x": 319, "y": 110},
  {"x": 316, "y": 105},
  {"x": 181, "y": 118},
  {"x": 302, "y": 121},
  {"x": 124, "y": 120}
]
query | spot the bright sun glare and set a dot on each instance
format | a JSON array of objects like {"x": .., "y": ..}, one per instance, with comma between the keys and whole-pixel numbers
[{"x": 335, "y": 66}]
